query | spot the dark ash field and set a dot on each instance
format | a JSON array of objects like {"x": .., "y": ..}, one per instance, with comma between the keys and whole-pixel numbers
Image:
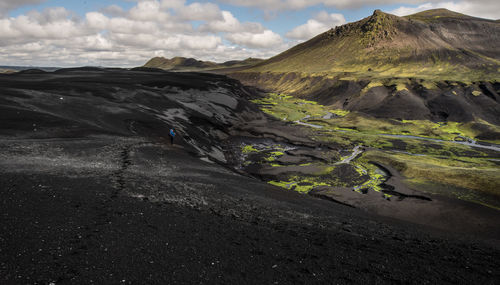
[{"x": 93, "y": 192}]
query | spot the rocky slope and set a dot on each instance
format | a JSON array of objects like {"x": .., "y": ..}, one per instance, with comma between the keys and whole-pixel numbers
[{"x": 128, "y": 102}]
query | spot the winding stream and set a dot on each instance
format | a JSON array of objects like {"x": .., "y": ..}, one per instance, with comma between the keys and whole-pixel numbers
[
  {"x": 307, "y": 124},
  {"x": 355, "y": 152},
  {"x": 471, "y": 143},
  {"x": 468, "y": 141}
]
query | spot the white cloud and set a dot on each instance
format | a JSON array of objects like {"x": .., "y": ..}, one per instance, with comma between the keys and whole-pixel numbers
[
  {"x": 173, "y": 4},
  {"x": 199, "y": 12},
  {"x": 301, "y": 4},
  {"x": 403, "y": 11},
  {"x": 148, "y": 11},
  {"x": 252, "y": 35},
  {"x": 229, "y": 24},
  {"x": 52, "y": 23},
  {"x": 96, "y": 20},
  {"x": 319, "y": 24},
  {"x": 482, "y": 9},
  {"x": 117, "y": 37},
  {"x": 90, "y": 43},
  {"x": 265, "y": 39}
]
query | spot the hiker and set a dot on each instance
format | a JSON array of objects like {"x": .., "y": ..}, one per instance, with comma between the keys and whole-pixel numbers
[{"x": 172, "y": 135}]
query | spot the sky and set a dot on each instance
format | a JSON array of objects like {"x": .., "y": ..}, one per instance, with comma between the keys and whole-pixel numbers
[{"x": 126, "y": 33}]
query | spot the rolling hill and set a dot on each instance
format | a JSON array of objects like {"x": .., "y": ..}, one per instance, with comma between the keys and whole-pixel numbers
[
  {"x": 191, "y": 64},
  {"x": 178, "y": 63}
]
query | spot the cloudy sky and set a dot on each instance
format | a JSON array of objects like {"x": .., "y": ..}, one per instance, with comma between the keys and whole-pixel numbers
[{"x": 128, "y": 32}]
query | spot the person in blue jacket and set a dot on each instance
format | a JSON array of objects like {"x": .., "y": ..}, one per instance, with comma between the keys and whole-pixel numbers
[{"x": 172, "y": 135}]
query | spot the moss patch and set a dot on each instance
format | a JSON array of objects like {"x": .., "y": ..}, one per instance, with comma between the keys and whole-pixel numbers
[
  {"x": 478, "y": 176},
  {"x": 301, "y": 186},
  {"x": 248, "y": 149},
  {"x": 290, "y": 108}
]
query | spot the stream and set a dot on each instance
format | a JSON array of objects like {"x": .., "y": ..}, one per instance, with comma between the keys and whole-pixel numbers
[
  {"x": 355, "y": 152},
  {"x": 307, "y": 124},
  {"x": 469, "y": 142}
]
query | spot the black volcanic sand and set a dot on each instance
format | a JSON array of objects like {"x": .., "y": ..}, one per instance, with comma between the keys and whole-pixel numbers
[{"x": 92, "y": 192}]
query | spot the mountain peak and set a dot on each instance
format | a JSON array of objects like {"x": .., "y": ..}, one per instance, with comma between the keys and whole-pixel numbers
[
  {"x": 429, "y": 44},
  {"x": 377, "y": 27}
]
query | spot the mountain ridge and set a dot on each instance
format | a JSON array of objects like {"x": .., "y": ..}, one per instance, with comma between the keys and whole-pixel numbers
[
  {"x": 437, "y": 44},
  {"x": 192, "y": 64}
]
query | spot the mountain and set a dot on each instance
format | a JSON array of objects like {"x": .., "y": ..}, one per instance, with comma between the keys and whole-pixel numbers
[
  {"x": 12, "y": 69},
  {"x": 191, "y": 64},
  {"x": 178, "y": 63},
  {"x": 246, "y": 62},
  {"x": 435, "y": 44},
  {"x": 435, "y": 65}
]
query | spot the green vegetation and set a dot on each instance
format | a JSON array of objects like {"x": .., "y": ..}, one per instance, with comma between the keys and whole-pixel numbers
[
  {"x": 263, "y": 153},
  {"x": 303, "y": 177},
  {"x": 301, "y": 185},
  {"x": 248, "y": 149},
  {"x": 377, "y": 177},
  {"x": 289, "y": 108},
  {"x": 472, "y": 179},
  {"x": 441, "y": 167},
  {"x": 339, "y": 113},
  {"x": 365, "y": 176}
]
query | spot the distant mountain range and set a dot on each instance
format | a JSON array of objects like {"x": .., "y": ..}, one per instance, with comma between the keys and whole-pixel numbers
[
  {"x": 191, "y": 64},
  {"x": 12, "y": 69}
]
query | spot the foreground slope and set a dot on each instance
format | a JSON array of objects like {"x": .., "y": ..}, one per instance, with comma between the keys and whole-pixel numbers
[{"x": 92, "y": 192}]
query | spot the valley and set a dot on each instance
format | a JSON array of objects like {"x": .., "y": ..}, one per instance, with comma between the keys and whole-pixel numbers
[{"x": 426, "y": 153}]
